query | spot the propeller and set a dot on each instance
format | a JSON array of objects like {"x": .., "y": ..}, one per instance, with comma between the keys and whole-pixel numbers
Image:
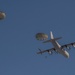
[
  {"x": 73, "y": 45},
  {"x": 68, "y": 48},
  {"x": 50, "y": 52}
]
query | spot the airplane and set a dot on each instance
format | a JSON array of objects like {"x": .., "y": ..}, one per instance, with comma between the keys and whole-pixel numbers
[{"x": 57, "y": 47}]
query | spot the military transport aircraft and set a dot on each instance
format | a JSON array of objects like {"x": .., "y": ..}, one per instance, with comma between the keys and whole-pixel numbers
[{"x": 57, "y": 47}]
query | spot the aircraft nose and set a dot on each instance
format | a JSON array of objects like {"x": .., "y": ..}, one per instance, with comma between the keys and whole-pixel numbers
[{"x": 66, "y": 54}]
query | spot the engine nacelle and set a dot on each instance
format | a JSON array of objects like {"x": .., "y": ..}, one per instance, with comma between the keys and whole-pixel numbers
[
  {"x": 50, "y": 52},
  {"x": 68, "y": 47},
  {"x": 73, "y": 45}
]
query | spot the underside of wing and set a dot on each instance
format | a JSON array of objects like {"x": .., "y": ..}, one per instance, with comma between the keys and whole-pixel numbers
[
  {"x": 68, "y": 45},
  {"x": 48, "y": 50}
]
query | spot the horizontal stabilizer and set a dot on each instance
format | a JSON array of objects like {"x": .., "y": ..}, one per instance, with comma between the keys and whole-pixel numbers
[
  {"x": 47, "y": 41},
  {"x": 52, "y": 40},
  {"x": 57, "y": 38}
]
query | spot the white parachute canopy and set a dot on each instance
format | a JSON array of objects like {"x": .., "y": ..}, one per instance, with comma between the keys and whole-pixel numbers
[
  {"x": 41, "y": 36},
  {"x": 2, "y": 15}
]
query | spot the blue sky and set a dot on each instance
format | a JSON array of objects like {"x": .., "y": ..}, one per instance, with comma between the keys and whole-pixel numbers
[{"x": 18, "y": 46}]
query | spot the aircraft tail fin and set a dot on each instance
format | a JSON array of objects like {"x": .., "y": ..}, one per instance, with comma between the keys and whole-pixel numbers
[
  {"x": 52, "y": 38},
  {"x": 51, "y": 35}
]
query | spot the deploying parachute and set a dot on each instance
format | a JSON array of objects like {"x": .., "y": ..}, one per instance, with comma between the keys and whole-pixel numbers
[
  {"x": 41, "y": 36},
  {"x": 2, "y": 15}
]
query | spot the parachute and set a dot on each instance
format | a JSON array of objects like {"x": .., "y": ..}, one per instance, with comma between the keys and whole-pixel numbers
[
  {"x": 41, "y": 36},
  {"x": 2, "y": 15}
]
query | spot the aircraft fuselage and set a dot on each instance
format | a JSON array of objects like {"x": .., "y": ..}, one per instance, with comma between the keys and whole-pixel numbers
[{"x": 58, "y": 48}]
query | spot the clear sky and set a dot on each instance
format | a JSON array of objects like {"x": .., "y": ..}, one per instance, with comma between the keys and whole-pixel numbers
[{"x": 18, "y": 46}]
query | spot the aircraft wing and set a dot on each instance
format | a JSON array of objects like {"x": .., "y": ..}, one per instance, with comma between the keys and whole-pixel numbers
[
  {"x": 48, "y": 50},
  {"x": 68, "y": 45}
]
